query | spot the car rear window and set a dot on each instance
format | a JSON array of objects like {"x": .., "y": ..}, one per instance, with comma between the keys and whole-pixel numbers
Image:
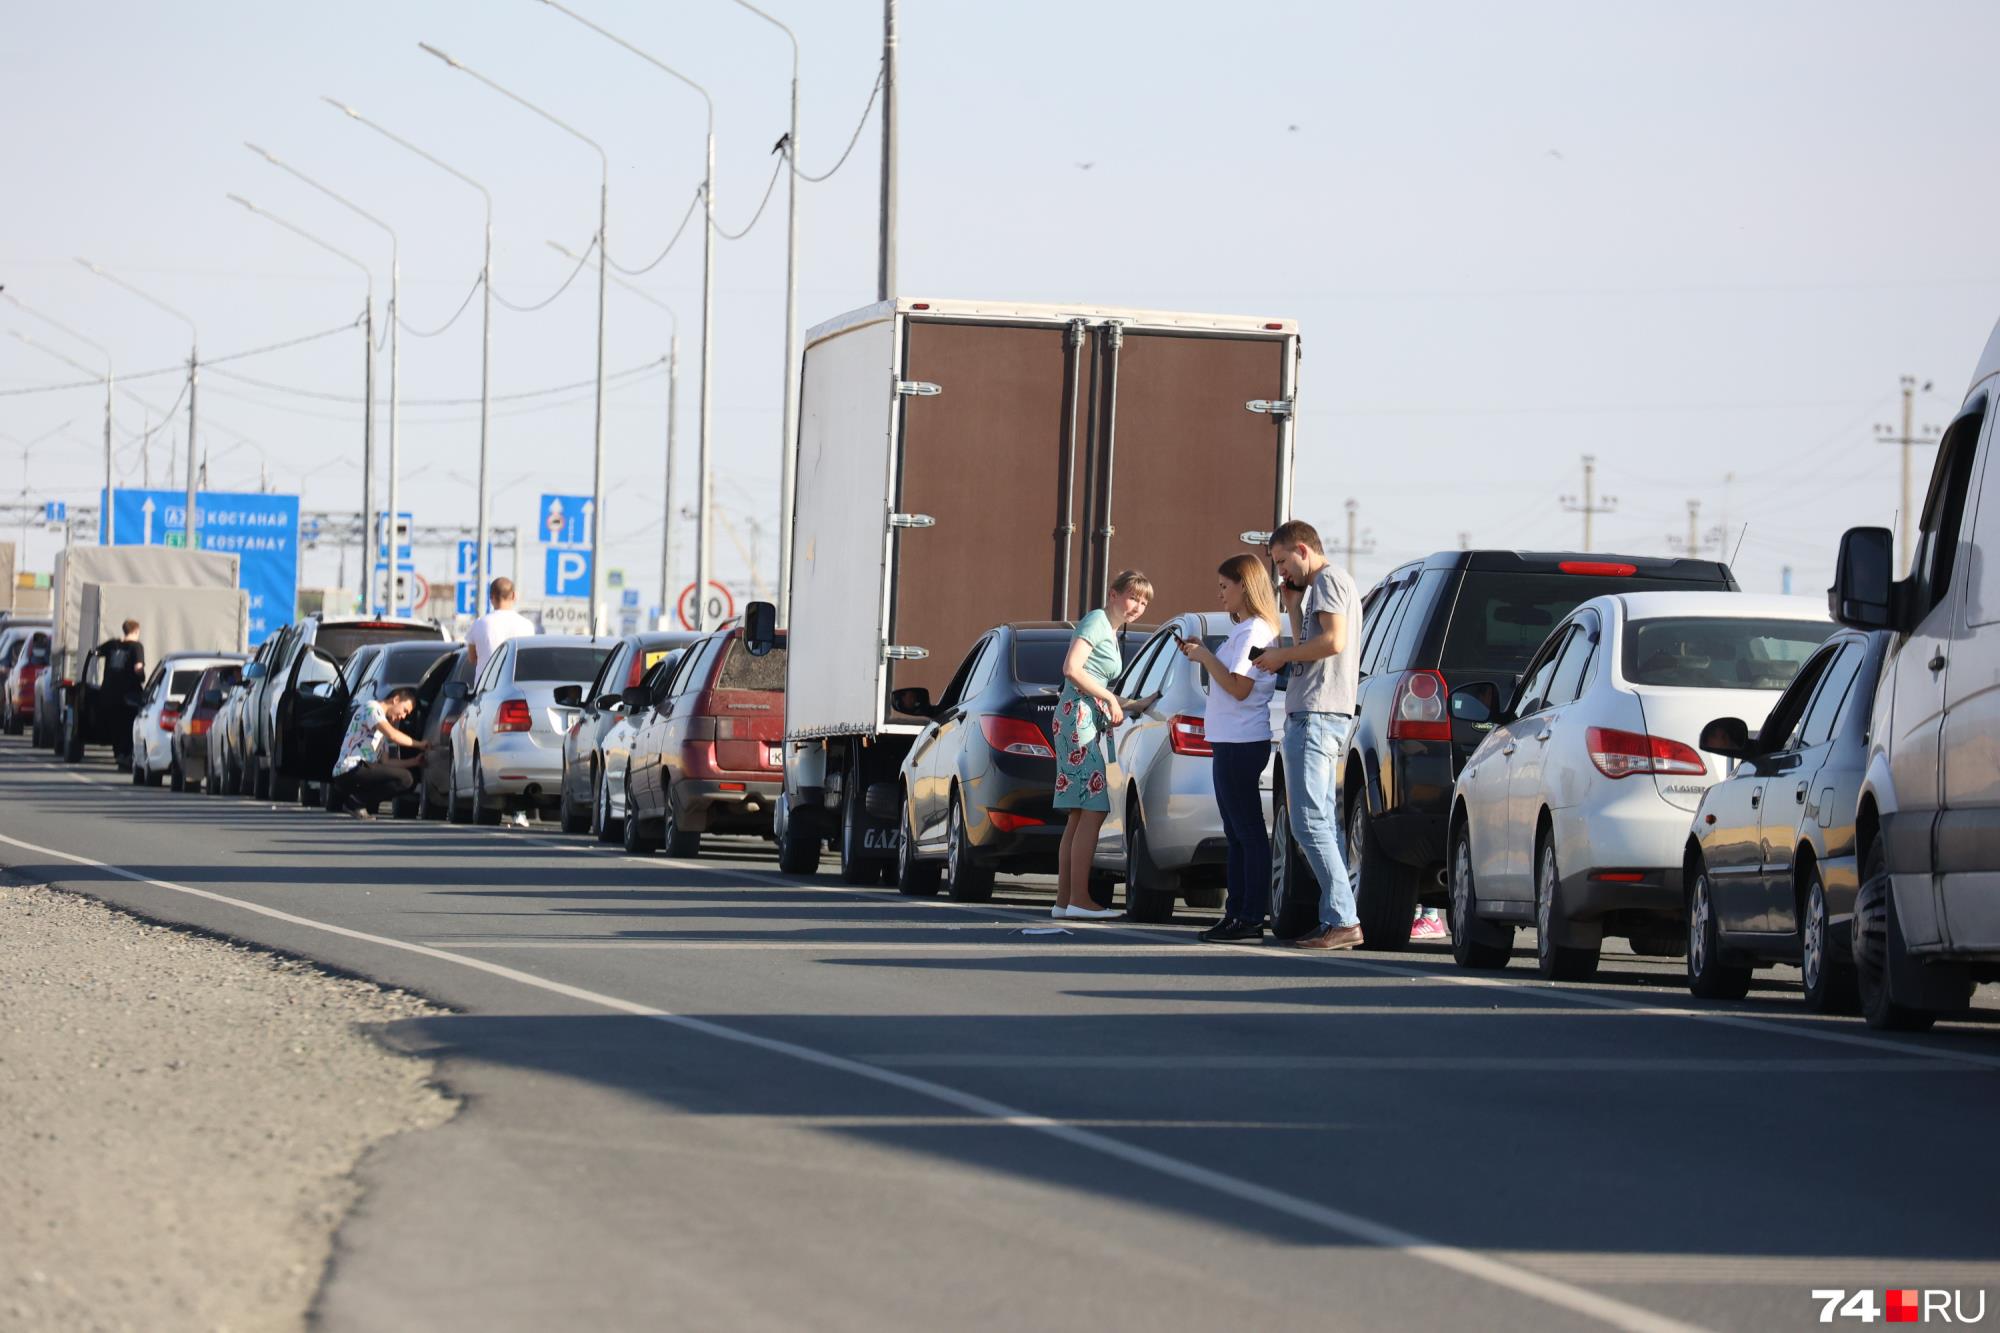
[
  {"x": 1719, "y": 652},
  {"x": 1500, "y": 619},
  {"x": 38, "y": 651},
  {"x": 572, "y": 665},
  {"x": 741, "y": 671},
  {"x": 183, "y": 683},
  {"x": 341, "y": 642},
  {"x": 1039, "y": 660},
  {"x": 407, "y": 666}
]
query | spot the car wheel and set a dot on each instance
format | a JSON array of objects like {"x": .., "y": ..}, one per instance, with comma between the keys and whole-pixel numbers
[
  {"x": 574, "y": 820},
  {"x": 965, "y": 879},
  {"x": 260, "y": 779},
  {"x": 798, "y": 847},
  {"x": 603, "y": 825},
  {"x": 1829, "y": 979},
  {"x": 1710, "y": 975},
  {"x": 176, "y": 780},
  {"x": 1149, "y": 896},
  {"x": 915, "y": 878},
  {"x": 1385, "y": 890},
  {"x": 673, "y": 838},
  {"x": 1555, "y": 962},
  {"x": 138, "y": 772},
  {"x": 454, "y": 802},
  {"x": 1484, "y": 945},
  {"x": 482, "y": 811},
  {"x": 637, "y": 841}
]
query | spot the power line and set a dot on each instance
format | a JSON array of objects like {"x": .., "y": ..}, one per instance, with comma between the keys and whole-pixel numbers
[
  {"x": 180, "y": 367},
  {"x": 582, "y": 259},
  {"x": 432, "y": 333},
  {"x": 672, "y": 241},
  {"x": 769, "y": 186},
  {"x": 873, "y": 93}
]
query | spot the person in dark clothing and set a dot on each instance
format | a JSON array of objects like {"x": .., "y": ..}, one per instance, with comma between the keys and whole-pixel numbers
[
  {"x": 362, "y": 777},
  {"x": 124, "y": 661}
]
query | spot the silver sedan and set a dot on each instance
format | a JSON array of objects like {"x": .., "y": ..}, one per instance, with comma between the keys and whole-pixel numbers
[{"x": 507, "y": 747}]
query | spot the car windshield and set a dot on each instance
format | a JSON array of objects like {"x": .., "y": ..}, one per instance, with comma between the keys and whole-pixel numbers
[
  {"x": 1719, "y": 652},
  {"x": 341, "y": 642},
  {"x": 1038, "y": 660},
  {"x": 1501, "y": 619},
  {"x": 407, "y": 666},
  {"x": 741, "y": 671},
  {"x": 570, "y": 664}
]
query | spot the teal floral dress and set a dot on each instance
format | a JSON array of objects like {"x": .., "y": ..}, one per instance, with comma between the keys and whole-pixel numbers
[{"x": 1083, "y": 730}]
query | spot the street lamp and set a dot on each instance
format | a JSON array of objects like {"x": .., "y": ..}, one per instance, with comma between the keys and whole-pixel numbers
[
  {"x": 367, "y": 365},
  {"x": 193, "y": 522},
  {"x": 603, "y": 244},
  {"x": 703, "y": 531},
  {"x": 394, "y": 562},
  {"x": 485, "y": 332},
  {"x": 109, "y": 379},
  {"x": 673, "y": 416},
  {"x": 788, "y": 473}
]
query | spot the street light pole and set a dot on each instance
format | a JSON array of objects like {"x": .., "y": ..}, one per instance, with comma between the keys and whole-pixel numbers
[
  {"x": 788, "y": 464},
  {"x": 367, "y": 376},
  {"x": 885, "y": 281},
  {"x": 484, "y": 537},
  {"x": 704, "y": 484},
  {"x": 395, "y": 398},
  {"x": 109, "y": 382},
  {"x": 194, "y": 363}
]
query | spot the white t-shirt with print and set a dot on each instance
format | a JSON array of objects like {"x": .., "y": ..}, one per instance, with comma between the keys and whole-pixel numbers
[
  {"x": 493, "y": 629},
  {"x": 1248, "y": 719}
]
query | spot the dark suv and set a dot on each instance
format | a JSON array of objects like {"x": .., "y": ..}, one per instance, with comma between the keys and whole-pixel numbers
[{"x": 1433, "y": 625}]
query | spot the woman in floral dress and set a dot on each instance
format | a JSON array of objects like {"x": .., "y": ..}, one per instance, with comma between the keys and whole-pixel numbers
[{"x": 1085, "y": 715}]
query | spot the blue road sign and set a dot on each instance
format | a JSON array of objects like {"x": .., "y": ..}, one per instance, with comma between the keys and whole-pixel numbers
[
  {"x": 629, "y": 599},
  {"x": 261, "y": 530},
  {"x": 567, "y": 573},
  {"x": 468, "y": 598},
  {"x": 403, "y": 526},
  {"x": 55, "y": 511},
  {"x": 468, "y": 560},
  {"x": 565, "y": 520}
]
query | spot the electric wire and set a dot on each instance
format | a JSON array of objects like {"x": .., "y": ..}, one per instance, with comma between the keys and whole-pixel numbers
[
  {"x": 582, "y": 260},
  {"x": 354, "y": 400},
  {"x": 410, "y": 328},
  {"x": 770, "y": 187},
  {"x": 873, "y": 93},
  {"x": 672, "y": 241}
]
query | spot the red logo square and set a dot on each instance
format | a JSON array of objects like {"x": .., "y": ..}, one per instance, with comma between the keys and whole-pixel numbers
[{"x": 1904, "y": 1308}]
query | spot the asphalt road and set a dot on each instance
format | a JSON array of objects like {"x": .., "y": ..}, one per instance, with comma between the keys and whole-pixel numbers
[{"x": 700, "y": 1094}]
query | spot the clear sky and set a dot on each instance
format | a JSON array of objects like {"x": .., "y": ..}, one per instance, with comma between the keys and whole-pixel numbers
[{"x": 1693, "y": 239}]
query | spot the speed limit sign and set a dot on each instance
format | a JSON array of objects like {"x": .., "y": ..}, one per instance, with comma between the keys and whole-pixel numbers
[{"x": 720, "y": 605}]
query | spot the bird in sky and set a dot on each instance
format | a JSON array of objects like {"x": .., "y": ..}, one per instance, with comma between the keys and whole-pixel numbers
[
  {"x": 1085, "y": 166},
  {"x": 1556, "y": 153}
]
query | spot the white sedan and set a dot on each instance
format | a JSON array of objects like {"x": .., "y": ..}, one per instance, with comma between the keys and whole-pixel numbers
[
  {"x": 160, "y": 703},
  {"x": 1572, "y": 814}
]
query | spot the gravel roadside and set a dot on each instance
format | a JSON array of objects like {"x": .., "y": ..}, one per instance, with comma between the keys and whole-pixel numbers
[{"x": 180, "y": 1118}]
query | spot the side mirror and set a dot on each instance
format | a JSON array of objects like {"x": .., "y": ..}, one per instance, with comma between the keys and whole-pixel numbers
[
  {"x": 1863, "y": 591},
  {"x": 255, "y": 671},
  {"x": 913, "y": 700},
  {"x": 569, "y": 696},
  {"x": 456, "y": 689},
  {"x": 1728, "y": 737},
  {"x": 760, "y": 628},
  {"x": 636, "y": 699},
  {"x": 1477, "y": 703},
  {"x": 607, "y": 702}
]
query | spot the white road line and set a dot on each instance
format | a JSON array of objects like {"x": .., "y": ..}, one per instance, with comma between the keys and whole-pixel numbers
[
  {"x": 818, "y": 946},
  {"x": 1537, "y": 1286},
  {"x": 1396, "y": 1064}
]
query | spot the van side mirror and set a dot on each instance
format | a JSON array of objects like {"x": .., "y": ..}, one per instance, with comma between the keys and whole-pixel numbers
[
  {"x": 1477, "y": 703},
  {"x": 913, "y": 701},
  {"x": 1728, "y": 737},
  {"x": 1863, "y": 593},
  {"x": 760, "y": 628},
  {"x": 456, "y": 689}
]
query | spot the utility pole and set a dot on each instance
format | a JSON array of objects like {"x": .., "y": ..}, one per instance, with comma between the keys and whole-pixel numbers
[
  {"x": 1696, "y": 542},
  {"x": 1592, "y": 503},
  {"x": 885, "y": 281},
  {"x": 1464, "y": 540},
  {"x": 1907, "y": 440},
  {"x": 1357, "y": 544}
]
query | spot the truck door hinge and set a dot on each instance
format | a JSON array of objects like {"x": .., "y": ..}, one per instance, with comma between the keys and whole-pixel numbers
[
  {"x": 896, "y": 652},
  {"x": 912, "y": 521},
  {"x": 1277, "y": 407},
  {"x": 919, "y": 388}
]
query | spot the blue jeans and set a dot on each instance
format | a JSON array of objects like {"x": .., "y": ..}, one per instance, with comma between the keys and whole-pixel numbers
[
  {"x": 1236, "y": 768},
  {"x": 1313, "y": 742}
]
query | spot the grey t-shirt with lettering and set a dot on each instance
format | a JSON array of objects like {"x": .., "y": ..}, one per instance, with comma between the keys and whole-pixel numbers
[{"x": 1330, "y": 684}]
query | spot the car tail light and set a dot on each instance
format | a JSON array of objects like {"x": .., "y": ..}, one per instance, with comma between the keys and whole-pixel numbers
[
  {"x": 169, "y": 718},
  {"x": 199, "y": 726},
  {"x": 514, "y": 715},
  {"x": 1620, "y": 754},
  {"x": 444, "y": 727},
  {"x": 1014, "y": 735},
  {"x": 731, "y": 786},
  {"x": 1604, "y": 569},
  {"x": 1188, "y": 734},
  {"x": 1419, "y": 712},
  {"x": 1007, "y": 823}
]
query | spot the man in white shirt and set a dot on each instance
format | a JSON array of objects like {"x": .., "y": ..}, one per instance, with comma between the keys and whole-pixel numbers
[{"x": 497, "y": 626}]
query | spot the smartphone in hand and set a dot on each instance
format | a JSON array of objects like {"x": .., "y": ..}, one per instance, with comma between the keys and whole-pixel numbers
[{"x": 1256, "y": 653}]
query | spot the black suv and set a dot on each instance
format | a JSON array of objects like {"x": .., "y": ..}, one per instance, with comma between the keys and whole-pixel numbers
[{"x": 1451, "y": 619}]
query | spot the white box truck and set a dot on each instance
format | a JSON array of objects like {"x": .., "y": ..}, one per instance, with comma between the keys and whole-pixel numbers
[{"x": 962, "y": 464}]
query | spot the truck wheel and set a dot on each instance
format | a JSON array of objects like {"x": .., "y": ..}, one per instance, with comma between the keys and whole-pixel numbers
[
  {"x": 798, "y": 847},
  {"x": 676, "y": 840},
  {"x": 965, "y": 879},
  {"x": 1879, "y": 953},
  {"x": 1385, "y": 890},
  {"x": 1711, "y": 976},
  {"x": 1829, "y": 979},
  {"x": 855, "y": 868},
  {"x": 1149, "y": 894},
  {"x": 1555, "y": 962},
  {"x": 1485, "y": 945},
  {"x": 914, "y": 878}
]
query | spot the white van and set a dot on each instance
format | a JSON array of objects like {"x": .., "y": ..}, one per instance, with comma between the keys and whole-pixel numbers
[{"x": 1927, "y": 914}]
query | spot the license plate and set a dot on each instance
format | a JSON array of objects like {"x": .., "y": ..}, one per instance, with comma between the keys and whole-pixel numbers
[{"x": 775, "y": 755}]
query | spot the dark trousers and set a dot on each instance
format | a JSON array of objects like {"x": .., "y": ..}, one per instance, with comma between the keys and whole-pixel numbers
[
  {"x": 368, "y": 785},
  {"x": 1237, "y": 766}
]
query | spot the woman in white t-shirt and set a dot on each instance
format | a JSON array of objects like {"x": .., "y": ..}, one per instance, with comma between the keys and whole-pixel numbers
[{"x": 1238, "y": 726}]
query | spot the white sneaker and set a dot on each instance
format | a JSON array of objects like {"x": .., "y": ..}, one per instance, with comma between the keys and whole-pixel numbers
[
  {"x": 520, "y": 819},
  {"x": 1093, "y": 913},
  {"x": 1058, "y": 912}
]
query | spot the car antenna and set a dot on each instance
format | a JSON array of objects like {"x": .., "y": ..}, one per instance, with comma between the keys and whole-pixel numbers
[{"x": 1739, "y": 545}]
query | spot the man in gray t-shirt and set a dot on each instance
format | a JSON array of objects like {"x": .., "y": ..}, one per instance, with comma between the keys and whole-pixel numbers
[{"x": 1325, "y": 658}]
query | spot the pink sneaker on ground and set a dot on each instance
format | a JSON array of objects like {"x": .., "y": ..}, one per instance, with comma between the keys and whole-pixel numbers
[{"x": 1427, "y": 928}]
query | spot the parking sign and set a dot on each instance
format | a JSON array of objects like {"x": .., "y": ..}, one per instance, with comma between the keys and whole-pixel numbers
[{"x": 566, "y": 573}]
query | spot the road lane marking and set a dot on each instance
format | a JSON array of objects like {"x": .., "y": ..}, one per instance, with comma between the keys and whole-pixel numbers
[
  {"x": 1468, "y": 1263},
  {"x": 1393, "y": 1064}
]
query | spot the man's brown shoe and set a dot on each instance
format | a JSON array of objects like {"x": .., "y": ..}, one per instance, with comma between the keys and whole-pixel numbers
[{"x": 1336, "y": 937}]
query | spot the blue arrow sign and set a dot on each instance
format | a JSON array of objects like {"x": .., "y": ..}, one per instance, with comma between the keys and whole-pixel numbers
[
  {"x": 565, "y": 520},
  {"x": 55, "y": 511}
]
